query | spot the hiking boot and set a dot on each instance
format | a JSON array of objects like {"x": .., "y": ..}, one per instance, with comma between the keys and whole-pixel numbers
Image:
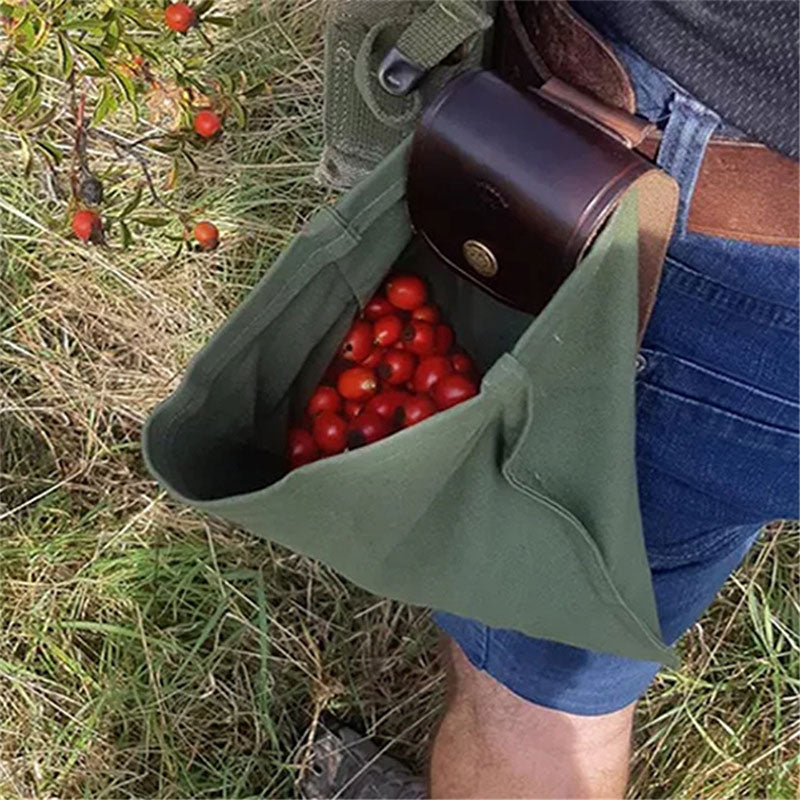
[{"x": 345, "y": 764}]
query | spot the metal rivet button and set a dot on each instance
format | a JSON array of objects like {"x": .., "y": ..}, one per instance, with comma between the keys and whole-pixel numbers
[{"x": 480, "y": 258}]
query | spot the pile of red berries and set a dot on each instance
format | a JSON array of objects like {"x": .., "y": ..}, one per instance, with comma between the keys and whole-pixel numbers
[{"x": 397, "y": 366}]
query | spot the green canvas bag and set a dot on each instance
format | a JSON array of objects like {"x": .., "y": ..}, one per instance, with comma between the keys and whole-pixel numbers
[
  {"x": 362, "y": 123},
  {"x": 518, "y": 508}
]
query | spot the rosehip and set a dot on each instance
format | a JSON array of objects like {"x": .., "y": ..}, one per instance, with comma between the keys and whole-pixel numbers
[
  {"x": 207, "y": 235},
  {"x": 357, "y": 345},
  {"x": 300, "y": 448},
  {"x": 386, "y": 330},
  {"x": 452, "y": 390},
  {"x": 378, "y": 307},
  {"x": 429, "y": 371},
  {"x": 87, "y": 225},
  {"x": 429, "y": 313},
  {"x": 386, "y": 403},
  {"x": 420, "y": 338},
  {"x": 325, "y": 398},
  {"x": 415, "y": 409},
  {"x": 406, "y": 291},
  {"x": 330, "y": 433},
  {"x": 179, "y": 17},
  {"x": 397, "y": 366},
  {"x": 366, "y": 429},
  {"x": 91, "y": 191},
  {"x": 444, "y": 338},
  {"x": 352, "y": 409},
  {"x": 374, "y": 358},
  {"x": 206, "y": 123},
  {"x": 357, "y": 383},
  {"x": 462, "y": 363}
]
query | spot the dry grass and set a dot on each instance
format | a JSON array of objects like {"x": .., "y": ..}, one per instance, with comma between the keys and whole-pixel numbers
[{"x": 148, "y": 651}]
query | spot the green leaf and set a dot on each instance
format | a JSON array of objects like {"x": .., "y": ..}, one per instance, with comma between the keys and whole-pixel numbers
[
  {"x": 166, "y": 147},
  {"x": 125, "y": 84},
  {"x": 66, "y": 59},
  {"x": 94, "y": 53},
  {"x": 86, "y": 25},
  {"x": 133, "y": 204},
  {"x": 106, "y": 105},
  {"x": 257, "y": 88},
  {"x": 27, "y": 155},
  {"x": 23, "y": 88},
  {"x": 127, "y": 236},
  {"x": 41, "y": 37},
  {"x": 34, "y": 104},
  {"x": 239, "y": 113},
  {"x": 152, "y": 222},
  {"x": 25, "y": 34},
  {"x": 203, "y": 6},
  {"x": 223, "y": 22},
  {"x": 111, "y": 39},
  {"x": 50, "y": 150}
]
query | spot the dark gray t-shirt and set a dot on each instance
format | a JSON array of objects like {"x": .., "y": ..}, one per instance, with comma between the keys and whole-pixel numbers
[{"x": 738, "y": 57}]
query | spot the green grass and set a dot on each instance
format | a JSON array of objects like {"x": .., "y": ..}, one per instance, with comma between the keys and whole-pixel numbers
[{"x": 147, "y": 651}]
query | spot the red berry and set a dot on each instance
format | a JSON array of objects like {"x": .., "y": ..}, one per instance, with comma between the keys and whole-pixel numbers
[
  {"x": 374, "y": 358},
  {"x": 429, "y": 313},
  {"x": 462, "y": 363},
  {"x": 352, "y": 409},
  {"x": 452, "y": 390},
  {"x": 378, "y": 307},
  {"x": 366, "y": 429},
  {"x": 357, "y": 383},
  {"x": 207, "y": 235},
  {"x": 386, "y": 403},
  {"x": 330, "y": 432},
  {"x": 179, "y": 17},
  {"x": 386, "y": 330},
  {"x": 87, "y": 225},
  {"x": 444, "y": 338},
  {"x": 325, "y": 398},
  {"x": 420, "y": 338},
  {"x": 206, "y": 123},
  {"x": 415, "y": 409},
  {"x": 357, "y": 345},
  {"x": 429, "y": 371},
  {"x": 406, "y": 291},
  {"x": 397, "y": 366},
  {"x": 300, "y": 448}
]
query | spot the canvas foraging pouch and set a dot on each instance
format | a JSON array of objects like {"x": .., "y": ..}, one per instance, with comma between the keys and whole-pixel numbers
[{"x": 519, "y": 507}]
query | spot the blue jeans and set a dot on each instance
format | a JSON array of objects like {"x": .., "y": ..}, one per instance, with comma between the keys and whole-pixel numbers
[{"x": 717, "y": 429}]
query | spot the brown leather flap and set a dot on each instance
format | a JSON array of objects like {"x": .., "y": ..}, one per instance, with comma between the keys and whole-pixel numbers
[{"x": 510, "y": 188}]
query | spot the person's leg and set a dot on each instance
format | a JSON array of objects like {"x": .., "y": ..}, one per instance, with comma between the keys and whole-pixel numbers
[{"x": 492, "y": 743}]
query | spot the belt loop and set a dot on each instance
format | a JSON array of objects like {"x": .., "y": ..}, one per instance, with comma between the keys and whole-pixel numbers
[{"x": 683, "y": 146}]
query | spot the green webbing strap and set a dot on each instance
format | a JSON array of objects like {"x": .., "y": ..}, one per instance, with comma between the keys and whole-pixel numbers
[
  {"x": 439, "y": 30},
  {"x": 427, "y": 41}
]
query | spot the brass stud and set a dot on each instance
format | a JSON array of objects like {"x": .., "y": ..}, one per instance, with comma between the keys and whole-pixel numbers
[{"x": 480, "y": 258}]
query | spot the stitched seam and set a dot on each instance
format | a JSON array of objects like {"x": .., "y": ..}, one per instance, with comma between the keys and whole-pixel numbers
[
  {"x": 776, "y": 430},
  {"x": 664, "y": 354},
  {"x": 717, "y": 541},
  {"x": 697, "y": 286}
]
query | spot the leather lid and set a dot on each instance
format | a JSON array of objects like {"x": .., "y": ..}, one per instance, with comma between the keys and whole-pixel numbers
[{"x": 509, "y": 188}]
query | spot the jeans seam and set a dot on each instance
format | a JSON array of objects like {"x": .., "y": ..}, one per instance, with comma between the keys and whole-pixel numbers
[
  {"x": 679, "y": 277},
  {"x": 720, "y": 544}
]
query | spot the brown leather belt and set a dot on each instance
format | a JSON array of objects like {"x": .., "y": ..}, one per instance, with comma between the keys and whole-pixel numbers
[{"x": 744, "y": 190}]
